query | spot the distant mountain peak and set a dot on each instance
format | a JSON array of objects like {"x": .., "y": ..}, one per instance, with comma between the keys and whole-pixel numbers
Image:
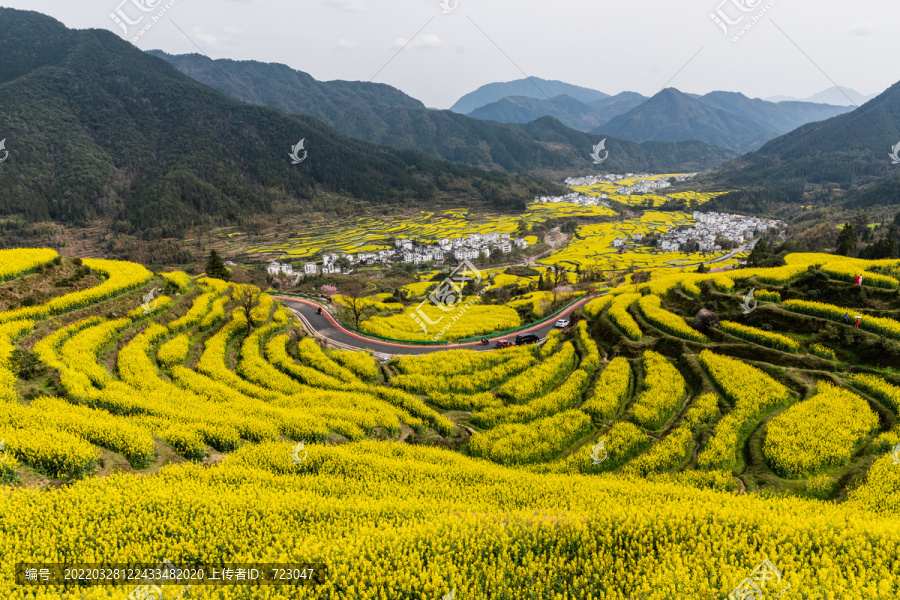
[
  {"x": 727, "y": 119},
  {"x": 531, "y": 87},
  {"x": 835, "y": 96},
  {"x": 851, "y": 149}
]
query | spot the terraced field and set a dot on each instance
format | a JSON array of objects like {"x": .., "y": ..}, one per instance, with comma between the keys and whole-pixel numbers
[
  {"x": 593, "y": 243},
  {"x": 631, "y": 456},
  {"x": 370, "y": 234},
  {"x": 592, "y": 246},
  {"x": 611, "y": 188}
]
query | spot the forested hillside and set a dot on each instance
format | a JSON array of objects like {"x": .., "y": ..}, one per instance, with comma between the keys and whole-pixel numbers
[{"x": 96, "y": 128}]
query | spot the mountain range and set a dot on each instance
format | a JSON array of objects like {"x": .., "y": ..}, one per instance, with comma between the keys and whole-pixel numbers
[
  {"x": 839, "y": 96},
  {"x": 384, "y": 115},
  {"x": 97, "y": 129},
  {"x": 578, "y": 115},
  {"x": 726, "y": 119},
  {"x": 847, "y": 159},
  {"x": 531, "y": 87}
]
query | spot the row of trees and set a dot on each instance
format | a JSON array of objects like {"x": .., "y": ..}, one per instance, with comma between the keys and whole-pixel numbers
[{"x": 858, "y": 231}]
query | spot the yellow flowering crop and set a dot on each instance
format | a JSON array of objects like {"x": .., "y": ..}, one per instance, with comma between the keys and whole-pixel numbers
[
  {"x": 312, "y": 355},
  {"x": 590, "y": 360},
  {"x": 759, "y": 336},
  {"x": 878, "y": 387},
  {"x": 468, "y": 319},
  {"x": 618, "y": 312},
  {"x": 821, "y": 432},
  {"x": 593, "y": 308},
  {"x": 159, "y": 305},
  {"x": 566, "y": 396},
  {"x": 16, "y": 262},
  {"x": 612, "y": 388},
  {"x": 9, "y": 332},
  {"x": 664, "y": 388},
  {"x": 362, "y": 364},
  {"x": 723, "y": 283},
  {"x": 538, "y": 441},
  {"x": 175, "y": 351},
  {"x": 879, "y": 325},
  {"x": 822, "y": 351},
  {"x": 181, "y": 279},
  {"x": 516, "y": 361},
  {"x": 539, "y": 378},
  {"x": 767, "y": 296},
  {"x": 751, "y": 392},
  {"x": 198, "y": 311},
  {"x": 121, "y": 277},
  {"x": 675, "y": 449},
  {"x": 671, "y": 323}
]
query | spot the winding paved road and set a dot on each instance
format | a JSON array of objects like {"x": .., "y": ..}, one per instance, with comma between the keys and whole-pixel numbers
[{"x": 325, "y": 326}]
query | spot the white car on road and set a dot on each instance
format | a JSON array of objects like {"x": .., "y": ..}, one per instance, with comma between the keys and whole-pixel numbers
[{"x": 563, "y": 323}]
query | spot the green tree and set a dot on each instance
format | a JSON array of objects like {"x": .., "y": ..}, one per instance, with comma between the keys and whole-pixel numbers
[
  {"x": 522, "y": 228},
  {"x": 215, "y": 267},
  {"x": 883, "y": 248},
  {"x": 761, "y": 253},
  {"x": 343, "y": 263},
  {"x": 846, "y": 243},
  {"x": 861, "y": 226}
]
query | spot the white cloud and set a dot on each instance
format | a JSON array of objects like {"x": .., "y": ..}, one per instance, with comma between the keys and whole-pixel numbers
[
  {"x": 346, "y": 5},
  {"x": 346, "y": 44},
  {"x": 207, "y": 39},
  {"x": 864, "y": 29},
  {"x": 421, "y": 42},
  {"x": 213, "y": 42}
]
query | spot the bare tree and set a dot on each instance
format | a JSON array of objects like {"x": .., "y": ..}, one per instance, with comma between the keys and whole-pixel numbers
[
  {"x": 353, "y": 297},
  {"x": 247, "y": 298},
  {"x": 557, "y": 274}
]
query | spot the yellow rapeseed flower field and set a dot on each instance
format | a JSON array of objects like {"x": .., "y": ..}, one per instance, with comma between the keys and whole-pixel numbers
[
  {"x": 821, "y": 432},
  {"x": 549, "y": 483}
]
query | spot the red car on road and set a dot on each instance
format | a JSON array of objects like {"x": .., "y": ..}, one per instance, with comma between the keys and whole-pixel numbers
[{"x": 503, "y": 344}]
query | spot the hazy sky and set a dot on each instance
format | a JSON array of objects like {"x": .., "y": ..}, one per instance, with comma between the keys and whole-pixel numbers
[{"x": 636, "y": 45}]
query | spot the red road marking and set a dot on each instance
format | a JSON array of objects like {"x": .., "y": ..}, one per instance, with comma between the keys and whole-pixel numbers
[{"x": 338, "y": 326}]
